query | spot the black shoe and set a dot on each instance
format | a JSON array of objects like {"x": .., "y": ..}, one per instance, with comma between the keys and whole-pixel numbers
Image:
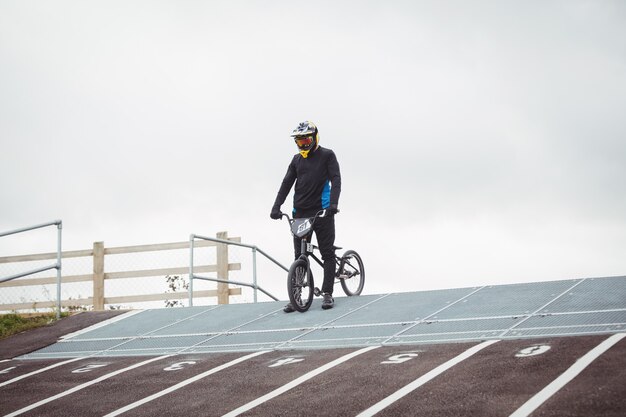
[
  {"x": 328, "y": 301},
  {"x": 289, "y": 308}
]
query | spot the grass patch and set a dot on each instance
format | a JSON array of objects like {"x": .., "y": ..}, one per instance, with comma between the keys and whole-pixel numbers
[{"x": 11, "y": 324}]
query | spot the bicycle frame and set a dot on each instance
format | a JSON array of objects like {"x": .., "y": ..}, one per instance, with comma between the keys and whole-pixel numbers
[
  {"x": 303, "y": 230},
  {"x": 300, "y": 277},
  {"x": 307, "y": 248}
]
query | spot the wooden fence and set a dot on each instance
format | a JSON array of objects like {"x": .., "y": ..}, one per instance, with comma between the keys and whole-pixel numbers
[{"x": 98, "y": 253}]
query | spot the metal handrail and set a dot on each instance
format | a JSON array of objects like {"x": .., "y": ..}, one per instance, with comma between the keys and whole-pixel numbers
[
  {"x": 254, "y": 284},
  {"x": 57, "y": 266}
]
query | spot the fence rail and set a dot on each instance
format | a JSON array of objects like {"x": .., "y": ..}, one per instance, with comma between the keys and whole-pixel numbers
[{"x": 100, "y": 276}]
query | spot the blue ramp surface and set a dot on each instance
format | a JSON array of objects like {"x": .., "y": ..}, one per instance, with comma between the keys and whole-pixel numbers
[{"x": 557, "y": 308}]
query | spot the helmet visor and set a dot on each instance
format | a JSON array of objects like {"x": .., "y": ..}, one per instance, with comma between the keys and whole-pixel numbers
[{"x": 304, "y": 141}]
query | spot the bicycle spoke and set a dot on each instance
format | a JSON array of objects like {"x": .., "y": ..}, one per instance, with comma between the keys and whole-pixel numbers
[
  {"x": 300, "y": 284},
  {"x": 351, "y": 274}
]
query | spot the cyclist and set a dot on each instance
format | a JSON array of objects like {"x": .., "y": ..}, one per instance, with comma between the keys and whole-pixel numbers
[{"x": 315, "y": 171}]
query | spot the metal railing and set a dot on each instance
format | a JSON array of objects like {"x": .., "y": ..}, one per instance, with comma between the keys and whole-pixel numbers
[
  {"x": 129, "y": 274},
  {"x": 253, "y": 285},
  {"x": 57, "y": 266}
]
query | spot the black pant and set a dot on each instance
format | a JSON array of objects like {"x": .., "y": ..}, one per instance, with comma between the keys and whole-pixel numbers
[{"x": 324, "y": 228}]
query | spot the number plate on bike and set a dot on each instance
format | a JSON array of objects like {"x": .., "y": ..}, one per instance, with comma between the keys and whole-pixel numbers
[{"x": 301, "y": 227}]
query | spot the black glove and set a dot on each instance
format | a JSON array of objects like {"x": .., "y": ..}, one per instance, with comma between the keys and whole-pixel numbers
[
  {"x": 333, "y": 209},
  {"x": 276, "y": 214}
]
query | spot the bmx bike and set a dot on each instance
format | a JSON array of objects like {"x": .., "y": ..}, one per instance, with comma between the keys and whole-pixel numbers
[{"x": 349, "y": 271}]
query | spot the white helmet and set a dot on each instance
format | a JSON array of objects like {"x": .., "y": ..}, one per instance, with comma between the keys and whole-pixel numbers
[{"x": 307, "y": 137}]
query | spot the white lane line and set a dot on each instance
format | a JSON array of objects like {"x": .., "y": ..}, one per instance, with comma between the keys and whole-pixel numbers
[
  {"x": 101, "y": 324},
  {"x": 542, "y": 396},
  {"x": 184, "y": 383},
  {"x": 407, "y": 389},
  {"x": 232, "y": 329},
  {"x": 326, "y": 325},
  {"x": 83, "y": 386},
  {"x": 296, "y": 382},
  {"x": 406, "y": 329},
  {"x": 38, "y": 371},
  {"x": 534, "y": 313}
]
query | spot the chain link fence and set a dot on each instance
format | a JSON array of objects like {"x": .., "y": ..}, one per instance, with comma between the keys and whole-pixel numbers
[
  {"x": 135, "y": 277},
  {"x": 30, "y": 294}
]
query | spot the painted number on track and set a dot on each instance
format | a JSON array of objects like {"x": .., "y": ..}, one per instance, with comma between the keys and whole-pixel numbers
[
  {"x": 532, "y": 351},
  {"x": 285, "y": 361},
  {"x": 7, "y": 370},
  {"x": 402, "y": 357},
  {"x": 178, "y": 366},
  {"x": 89, "y": 368}
]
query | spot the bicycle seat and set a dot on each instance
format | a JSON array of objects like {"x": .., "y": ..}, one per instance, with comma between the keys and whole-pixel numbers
[{"x": 337, "y": 247}]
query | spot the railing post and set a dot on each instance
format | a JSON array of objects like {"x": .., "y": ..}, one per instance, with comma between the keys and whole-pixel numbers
[
  {"x": 222, "y": 269},
  {"x": 59, "y": 266},
  {"x": 191, "y": 245},
  {"x": 98, "y": 276},
  {"x": 254, "y": 281}
]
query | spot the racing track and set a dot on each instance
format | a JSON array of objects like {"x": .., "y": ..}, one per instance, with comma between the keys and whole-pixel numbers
[{"x": 516, "y": 375}]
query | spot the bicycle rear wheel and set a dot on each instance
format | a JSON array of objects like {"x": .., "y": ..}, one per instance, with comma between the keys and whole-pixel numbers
[
  {"x": 351, "y": 273},
  {"x": 300, "y": 285}
]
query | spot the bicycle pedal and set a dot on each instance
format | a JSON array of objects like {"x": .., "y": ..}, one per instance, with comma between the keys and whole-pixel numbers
[{"x": 317, "y": 292}]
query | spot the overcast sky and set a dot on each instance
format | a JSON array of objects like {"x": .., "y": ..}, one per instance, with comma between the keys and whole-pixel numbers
[{"x": 480, "y": 142}]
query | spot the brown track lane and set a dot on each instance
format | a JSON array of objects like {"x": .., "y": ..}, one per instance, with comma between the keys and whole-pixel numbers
[
  {"x": 33, "y": 389},
  {"x": 360, "y": 382},
  {"x": 599, "y": 390},
  {"x": 116, "y": 392},
  {"x": 494, "y": 382},
  {"x": 233, "y": 387}
]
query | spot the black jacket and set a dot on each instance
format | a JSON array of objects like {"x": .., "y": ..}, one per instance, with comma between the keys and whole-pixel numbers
[{"x": 318, "y": 183}]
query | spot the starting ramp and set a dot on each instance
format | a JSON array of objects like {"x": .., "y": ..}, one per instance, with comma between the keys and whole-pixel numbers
[{"x": 575, "y": 307}]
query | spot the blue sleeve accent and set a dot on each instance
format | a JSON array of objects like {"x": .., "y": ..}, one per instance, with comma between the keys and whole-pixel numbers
[{"x": 326, "y": 195}]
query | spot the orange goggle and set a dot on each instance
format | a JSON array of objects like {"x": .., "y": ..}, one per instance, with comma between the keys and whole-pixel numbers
[{"x": 304, "y": 141}]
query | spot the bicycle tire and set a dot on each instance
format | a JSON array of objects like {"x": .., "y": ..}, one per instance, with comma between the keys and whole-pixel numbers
[
  {"x": 300, "y": 285},
  {"x": 352, "y": 273}
]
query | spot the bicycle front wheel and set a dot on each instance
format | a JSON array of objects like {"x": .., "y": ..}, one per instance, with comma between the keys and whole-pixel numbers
[
  {"x": 352, "y": 273},
  {"x": 300, "y": 285}
]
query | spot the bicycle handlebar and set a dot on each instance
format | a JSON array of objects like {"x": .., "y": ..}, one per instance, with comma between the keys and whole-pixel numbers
[{"x": 321, "y": 213}]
